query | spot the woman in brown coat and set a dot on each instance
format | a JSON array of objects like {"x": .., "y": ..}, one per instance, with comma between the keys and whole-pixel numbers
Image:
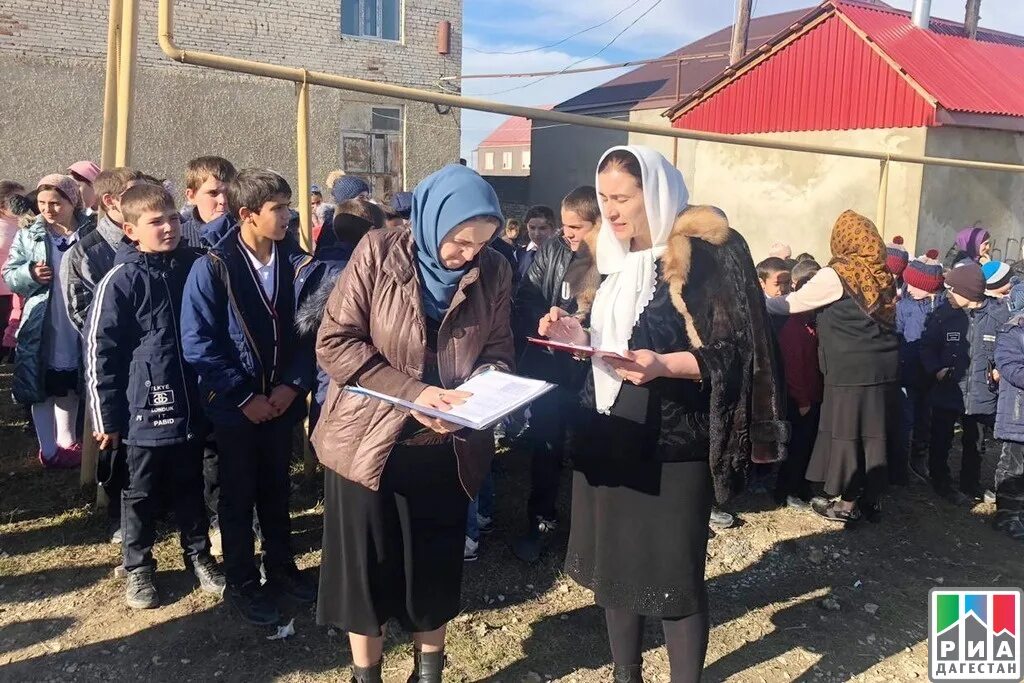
[{"x": 413, "y": 314}]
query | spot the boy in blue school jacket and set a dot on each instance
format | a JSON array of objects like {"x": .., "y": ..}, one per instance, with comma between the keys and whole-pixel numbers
[
  {"x": 946, "y": 356},
  {"x": 143, "y": 393},
  {"x": 237, "y": 327},
  {"x": 1009, "y": 478}
]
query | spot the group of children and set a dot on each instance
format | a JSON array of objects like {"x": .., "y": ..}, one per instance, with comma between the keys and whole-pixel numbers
[{"x": 961, "y": 331}]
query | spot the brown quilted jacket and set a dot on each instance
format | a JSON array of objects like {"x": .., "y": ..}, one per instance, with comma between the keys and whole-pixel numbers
[{"x": 373, "y": 335}]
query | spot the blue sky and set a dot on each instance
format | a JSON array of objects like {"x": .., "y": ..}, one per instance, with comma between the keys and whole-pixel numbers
[{"x": 502, "y": 26}]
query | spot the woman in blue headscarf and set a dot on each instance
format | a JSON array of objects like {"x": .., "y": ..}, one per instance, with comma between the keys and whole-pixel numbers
[{"x": 414, "y": 314}]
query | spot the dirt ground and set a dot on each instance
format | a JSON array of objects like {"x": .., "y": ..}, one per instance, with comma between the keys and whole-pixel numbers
[{"x": 793, "y": 598}]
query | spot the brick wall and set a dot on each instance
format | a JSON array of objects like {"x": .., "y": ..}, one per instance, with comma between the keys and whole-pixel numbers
[{"x": 182, "y": 111}]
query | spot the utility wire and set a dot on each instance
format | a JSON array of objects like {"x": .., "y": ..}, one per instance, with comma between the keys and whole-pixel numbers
[
  {"x": 560, "y": 42},
  {"x": 578, "y": 61}
]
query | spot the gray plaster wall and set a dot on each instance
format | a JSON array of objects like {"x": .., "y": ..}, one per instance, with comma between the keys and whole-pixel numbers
[
  {"x": 565, "y": 157},
  {"x": 955, "y": 198},
  {"x": 53, "y": 54}
]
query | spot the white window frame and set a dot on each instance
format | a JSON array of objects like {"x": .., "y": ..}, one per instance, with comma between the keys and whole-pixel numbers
[
  {"x": 507, "y": 161},
  {"x": 526, "y": 159},
  {"x": 488, "y": 161},
  {"x": 361, "y": 21}
]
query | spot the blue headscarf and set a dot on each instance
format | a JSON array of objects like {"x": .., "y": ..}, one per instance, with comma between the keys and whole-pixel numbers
[{"x": 440, "y": 203}]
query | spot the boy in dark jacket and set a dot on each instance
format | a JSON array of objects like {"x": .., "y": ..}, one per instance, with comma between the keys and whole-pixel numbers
[
  {"x": 206, "y": 186},
  {"x": 946, "y": 355},
  {"x": 237, "y": 327},
  {"x": 562, "y": 275},
  {"x": 798, "y": 342},
  {"x": 1009, "y": 480},
  {"x": 143, "y": 393},
  {"x": 924, "y": 293}
]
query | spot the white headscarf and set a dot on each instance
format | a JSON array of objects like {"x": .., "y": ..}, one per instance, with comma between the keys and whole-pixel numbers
[{"x": 632, "y": 275}]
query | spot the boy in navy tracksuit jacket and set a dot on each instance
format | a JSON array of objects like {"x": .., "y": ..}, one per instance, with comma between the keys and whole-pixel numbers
[
  {"x": 952, "y": 350},
  {"x": 1009, "y": 479},
  {"x": 237, "y": 327},
  {"x": 144, "y": 394}
]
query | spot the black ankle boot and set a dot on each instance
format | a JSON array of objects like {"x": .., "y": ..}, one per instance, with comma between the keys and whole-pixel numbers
[
  {"x": 628, "y": 674},
  {"x": 427, "y": 667},
  {"x": 370, "y": 674}
]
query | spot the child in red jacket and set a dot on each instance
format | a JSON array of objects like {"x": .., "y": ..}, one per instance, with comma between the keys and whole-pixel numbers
[{"x": 798, "y": 341}]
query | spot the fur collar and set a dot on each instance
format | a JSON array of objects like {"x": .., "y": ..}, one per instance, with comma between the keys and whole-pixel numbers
[{"x": 707, "y": 223}]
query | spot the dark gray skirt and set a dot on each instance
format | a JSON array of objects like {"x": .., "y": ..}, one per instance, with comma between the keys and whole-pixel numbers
[
  {"x": 850, "y": 452},
  {"x": 396, "y": 552}
]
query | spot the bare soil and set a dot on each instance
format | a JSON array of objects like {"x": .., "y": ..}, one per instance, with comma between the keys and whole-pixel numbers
[{"x": 793, "y": 598}]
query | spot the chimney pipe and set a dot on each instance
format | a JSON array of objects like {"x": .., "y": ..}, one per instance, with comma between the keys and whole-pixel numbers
[
  {"x": 740, "y": 31},
  {"x": 972, "y": 18},
  {"x": 922, "y": 13}
]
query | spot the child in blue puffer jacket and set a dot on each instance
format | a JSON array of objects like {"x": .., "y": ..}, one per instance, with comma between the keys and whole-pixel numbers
[
  {"x": 1009, "y": 479},
  {"x": 924, "y": 294}
]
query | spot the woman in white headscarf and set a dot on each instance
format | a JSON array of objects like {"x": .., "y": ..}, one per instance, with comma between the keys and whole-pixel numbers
[{"x": 657, "y": 433}]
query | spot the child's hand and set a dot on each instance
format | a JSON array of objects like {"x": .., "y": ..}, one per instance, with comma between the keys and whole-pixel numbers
[
  {"x": 41, "y": 272},
  {"x": 281, "y": 398},
  {"x": 109, "y": 440},
  {"x": 995, "y": 375},
  {"x": 804, "y": 410},
  {"x": 258, "y": 409},
  {"x": 941, "y": 374}
]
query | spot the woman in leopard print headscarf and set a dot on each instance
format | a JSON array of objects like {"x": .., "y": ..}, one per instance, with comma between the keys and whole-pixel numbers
[{"x": 855, "y": 298}]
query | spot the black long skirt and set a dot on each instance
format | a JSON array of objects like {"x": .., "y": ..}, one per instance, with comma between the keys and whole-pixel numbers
[
  {"x": 850, "y": 452},
  {"x": 397, "y": 552},
  {"x": 639, "y": 534}
]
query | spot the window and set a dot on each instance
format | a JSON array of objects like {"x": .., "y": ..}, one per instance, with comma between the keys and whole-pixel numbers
[
  {"x": 488, "y": 161},
  {"x": 506, "y": 161},
  {"x": 370, "y": 18},
  {"x": 526, "y": 160},
  {"x": 382, "y": 118}
]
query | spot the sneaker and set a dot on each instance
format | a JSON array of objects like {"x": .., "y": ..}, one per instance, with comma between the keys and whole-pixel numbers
[
  {"x": 721, "y": 520},
  {"x": 530, "y": 546},
  {"x": 471, "y": 553},
  {"x": 830, "y": 511},
  {"x": 116, "y": 535},
  {"x": 290, "y": 582},
  {"x": 1010, "y": 524},
  {"x": 485, "y": 524},
  {"x": 794, "y": 503},
  {"x": 919, "y": 468},
  {"x": 989, "y": 497},
  {"x": 211, "y": 578},
  {"x": 139, "y": 590},
  {"x": 253, "y": 602},
  {"x": 871, "y": 511}
]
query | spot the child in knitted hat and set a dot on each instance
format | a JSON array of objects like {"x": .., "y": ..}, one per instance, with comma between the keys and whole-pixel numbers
[
  {"x": 957, "y": 349},
  {"x": 896, "y": 258},
  {"x": 997, "y": 279},
  {"x": 924, "y": 293}
]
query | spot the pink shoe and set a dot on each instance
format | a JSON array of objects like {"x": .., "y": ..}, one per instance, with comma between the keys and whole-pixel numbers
[{"x": 64, "y": 459}]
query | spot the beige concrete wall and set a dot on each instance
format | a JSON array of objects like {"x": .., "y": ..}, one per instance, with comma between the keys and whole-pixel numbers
[
  {"x": 52, "y": 57},
  {"x": 955, "y": 198},
  {"x": 775, "y": 196}
]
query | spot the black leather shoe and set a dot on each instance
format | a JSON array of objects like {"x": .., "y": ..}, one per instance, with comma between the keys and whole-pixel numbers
[
  {"x": 427, "y": 667},
  {"x": 139, "y": 590},
  {"x": 290, "y": 582},
  {"x": 628, "y": 674},
  {"x": 254, "y": 603},
  {"x": 369, "y": 674}
]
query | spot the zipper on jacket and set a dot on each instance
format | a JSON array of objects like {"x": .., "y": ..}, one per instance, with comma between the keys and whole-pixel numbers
[
  {"x": 241, "y": 321},
  {"x": 181, "y": 368}
]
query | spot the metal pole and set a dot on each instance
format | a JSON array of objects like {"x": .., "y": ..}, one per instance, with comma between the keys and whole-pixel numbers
[
  {"x": 922, "y": 14},
  {"x": 972, "y": 18},
  {"x": 302, "y": 166},
  {"x": 883, "y": 198},
  {"x": 108, "y": 146},
  {"x": 740, "y": 31},
  {"x": 125, "y": 81},
  {"x": 284, "y": 73}
]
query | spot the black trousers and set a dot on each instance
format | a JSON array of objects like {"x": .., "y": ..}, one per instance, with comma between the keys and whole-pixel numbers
[
  {"x": 1009, "y": 479},
  {"x": 547, "y": 434},
  {"x": 253, "y": 471},
  {"x": 977, "y": 430},
  {"x": 112, "y": 473},
  {"x": 211, "y": 480},
  {"x": 792, "y": 479},
  {"x": 153, "y": 473}
]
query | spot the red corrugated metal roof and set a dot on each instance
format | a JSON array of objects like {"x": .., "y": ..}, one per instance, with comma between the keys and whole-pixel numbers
[
  {"x": 515, "y": 131},
  {"x": 828, "y": 79},
  {"x": 964, "y": 75},
  {"x": 822, "y": 74}
]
